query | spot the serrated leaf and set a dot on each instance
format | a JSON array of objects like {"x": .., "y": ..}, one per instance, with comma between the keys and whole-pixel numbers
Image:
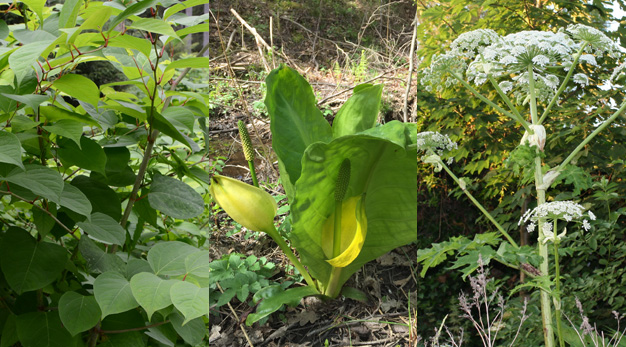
[
  {"x": 175, "y": 198},
  {"x": 105, "y": 229},
  {"x": 79, "y": 87},
  {"x": 27, "y": 264},
  {"x": 167, "y": 258},
  {"x": 113, "y": 293},
  {"x": 10, "y": 149},
  {"x": 78, "y": 313},
  {"x": 151, "y": 291},
  {"x": 191, "y": 300}
]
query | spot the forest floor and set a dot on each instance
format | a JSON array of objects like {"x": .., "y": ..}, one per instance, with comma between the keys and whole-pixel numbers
[{"x": 331, "y": 66}]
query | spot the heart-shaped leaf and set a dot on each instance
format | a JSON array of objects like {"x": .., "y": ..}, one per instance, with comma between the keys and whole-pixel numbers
[{"x": 113, "y": 293}]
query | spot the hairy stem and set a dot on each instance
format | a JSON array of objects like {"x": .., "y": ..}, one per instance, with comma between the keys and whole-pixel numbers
[{"x": 557, "y": 293}]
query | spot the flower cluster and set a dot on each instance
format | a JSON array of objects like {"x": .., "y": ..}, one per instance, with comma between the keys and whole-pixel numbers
[
  {"x": 552, "y": 211},
  {"x": 508, "y": 59},
  {"x": 432, "y": 142}
]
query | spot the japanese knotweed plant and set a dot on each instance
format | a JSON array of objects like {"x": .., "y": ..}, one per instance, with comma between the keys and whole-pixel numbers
[
  {"x": 352, "y": 187},
  {"x": 529, "y": 71}
]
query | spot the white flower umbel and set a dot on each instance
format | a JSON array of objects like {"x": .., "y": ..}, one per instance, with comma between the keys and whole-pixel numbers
[
  {"x": 435, "y": 142},
  {"x": 552, "y": 211}
]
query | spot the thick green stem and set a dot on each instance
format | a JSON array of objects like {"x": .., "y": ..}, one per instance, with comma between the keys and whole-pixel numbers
[
  {"x": 557, "y": 293},
  {"x": 504, "y": 97},
  {"x": 478, "y": 204},
  {"x": 253, "y": 173},
  {"x": 546, "y": 306},
  {"x": 332, "y": 290},
  {"x": 273, "y": 233}
]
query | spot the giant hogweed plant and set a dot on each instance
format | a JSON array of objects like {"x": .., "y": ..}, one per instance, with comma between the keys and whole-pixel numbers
[
  {"x": 351, "y": 187},
  {"x": 95, "y": 181},
  {"x": 529, "y": 71}
]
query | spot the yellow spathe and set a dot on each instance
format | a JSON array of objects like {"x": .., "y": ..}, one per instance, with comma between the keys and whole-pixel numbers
[
  {"x": 353, "y": 231},
  {"x": 247, "y": 205}
]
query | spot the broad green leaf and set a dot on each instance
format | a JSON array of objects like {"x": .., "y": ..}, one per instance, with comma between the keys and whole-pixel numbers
[
  {"x": 196, "y": 62},
  {"x": 10, "y": 149},
  {"x": 274, "y": 297},
  {"x": 144, "y": 210},
  {"x": 193, "y": 332},
  {"x": 163, "y": 125},
  {"x": 104, "y": 229},
  {"x": 197, "y": 264},
  {"x": 191, "y": 300},
  {"x": 4, "y": 30},
  {"x": 98, "y": 261},
  {"x": 27, "y": 264},
  {"x": 79, "y": 87},
  {"x": 43, "y": 221},
  {"x": 113, "y": 293},
  {"x": 200, "y": 28},
  {"x": 136, "y": 266},
  {"x": 154, "y": 26},
  {"x": 134, "y": 9},
  {"x": 23, "y": 58},
  {"x": 40, "y": 180},
  {"x": 118, "y": 173},
  {"x": 69, "y": 12},
  {"x": 359, "y": 113},
  {"x": 53, "y": 114},
  {"x": 31, "y": 100},
  {"x": 175, "y": 198},
  {"x": 73, "y": 199},
  {"x": 102, "y": 197},
  {"x": 30, "y": 36},
  {"x": 295, "y": 120},
  {"x": 181, "y": 6},
  {"x": 36, "y": 6},
  {"x": 131, "y": 42},
  {"x": 9, "y": 332},
  {"x": 43, "y": 329},
  {"x": 167, "y": 258},
  {"x": 89, "y": 156},
  {"x": 78, "y": 313},
  {"x": 71, "y": 129},
  {"x": 151, "y": 291},
  {"x": 382, "y": 170},
  {"x": 129, "y": 339},
  {"x": 180, "y": 117}
]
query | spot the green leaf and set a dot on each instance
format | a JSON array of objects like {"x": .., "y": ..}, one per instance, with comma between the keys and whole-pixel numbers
[
  {"x": 9, "y": 332},
  {"x": 274, "y": 297},
  {"x": 154, "y": 26},
  {"x": 89, "y": 156},
  {"x": 181, "y": 6},
  {"x": 131, "y": 42},
  {"x": 180, "y": 117},
  {"x": 113, "y": 293},
  {"x": 143, "y": 209},
  {"x": 175, "y": 198},
  {"x": 359, "y": 113},
  {"x": 40, "y": 180},
  {"x": 137, "y": 8},
  {"x": 191, "y": 300},
  {"x": 130, "y": 339},
  {"x": 10, "y": 149},
  {"x": 73, "y": 199},
  {"x": 4, "y": 30},
  {"x": 43, "y": 329},
  {"x": 27, "y": 264},
  {"x": 193, "y": 332},
  {"x": 98, "y": 261},
  {"x": 167, "y": 258},
  {"x": 53, "y": 114},
  {"x": 31, "y": 100},
  {"x": 79, "y": 87},
  {"x": 151, "y": 291},
  {"x": 118, "y": 172},
  {"x": 71, "y": 129},
  {"x": 382, "y": 170},
  {"x": 295, "y": 120},
  {"x": 102, "y": 197},
  {"x": 104, "y": 229},
  {"x": 23, "y": 58},
  {"x": 136, "y": 266},
  {"x": 197, "y": 264},
  {"x": 69, "y": 12},
  {"x": 43, "y": 221},
  {"x": 36, "y": 6},
  {"x": 163, "y": 125},
  {"x": 195, "y": 62},
  {"x": 78, "y": 313}
]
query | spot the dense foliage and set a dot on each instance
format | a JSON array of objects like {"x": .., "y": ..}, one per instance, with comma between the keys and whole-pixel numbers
[{"x": 98, "y": 176}]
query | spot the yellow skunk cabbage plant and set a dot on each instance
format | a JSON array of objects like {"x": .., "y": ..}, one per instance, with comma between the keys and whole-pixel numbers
[{"x": 352, "y": 188}]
